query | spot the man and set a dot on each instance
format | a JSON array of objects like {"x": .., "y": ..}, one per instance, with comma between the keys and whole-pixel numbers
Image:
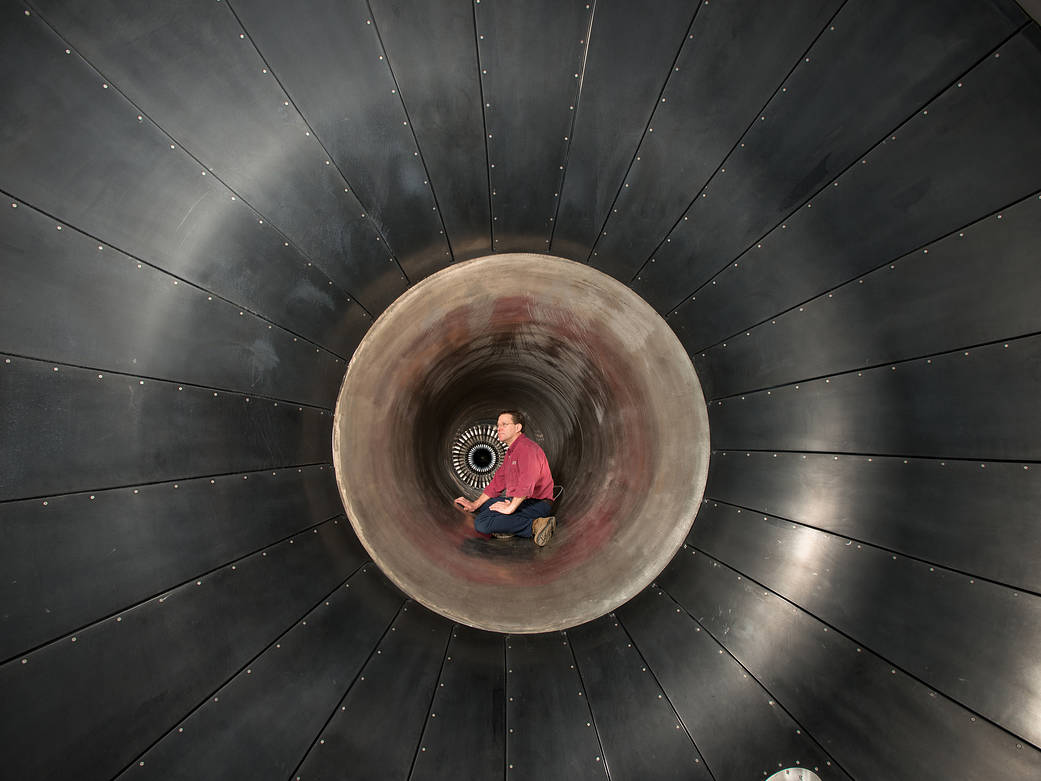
[{"x": 524, "y": 476}]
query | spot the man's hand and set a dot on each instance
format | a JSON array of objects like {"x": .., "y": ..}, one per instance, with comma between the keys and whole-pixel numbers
[
  {"x": 506, "y": 508},
  {"x": 465, "y": 503}
]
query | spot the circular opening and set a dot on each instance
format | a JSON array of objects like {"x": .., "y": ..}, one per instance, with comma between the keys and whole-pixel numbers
[
  {"x": 607, "y": 392},
  {"x": 481, "y": 458},
  {"x": 794, "y": 774},
  {"x": 475, "y": 455}
]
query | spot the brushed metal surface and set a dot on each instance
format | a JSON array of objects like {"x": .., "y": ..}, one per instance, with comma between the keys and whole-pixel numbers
[
  {"x": 969, "y": 151},
  {"x": 957, "y": 514},
  {"x": 87, "y": 158},
  {"x": 869, "y": 69},
  {"x": 983, "y": 267},
  {"x": 83, "y": 556},
  {"x": 465, "y": 732},
  {"x": 541, "y": 678},
  {"x": 238, "y": 126},
  {"x": 714, "y": 92},
  {"x": 875, "y": 719},
  {"x": 123, "y": 682},
  {"x": 310, "y": 47},
  {"x": 629, "y": 60},
  {"x": 432, "y": 49},
  {"x": 648, "y": 742},
  {"x": 161, "y": 132},
  {"x": 610, "y": 395},
  {"x": 977, "y": 404},
  {"x": 66, "y": 297},
  {"x": 966, "y": 637},
  {"x": 531, "y": 81},
  {"x": 738, "y": 727},
  {"x": 261, "y": 721}
]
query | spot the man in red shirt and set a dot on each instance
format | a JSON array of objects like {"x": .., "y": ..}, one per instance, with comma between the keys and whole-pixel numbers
[{"x": 525, "y": 477}]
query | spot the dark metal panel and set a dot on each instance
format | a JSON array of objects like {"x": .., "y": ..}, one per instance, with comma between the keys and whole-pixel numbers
[
  {"x": 64, "y": 297},
  {"x": 328, "y": 56},
  {"x": 464, "y": 736},
  {"x": 432, "y": 48},
  {"x": 87, "y": 158},
  {"x": 531, "y": 71},
  {"x": 641, "y": 734},
  {"x": 1032, "y": 7},
  {"x": 87, "y": 705},
  {"x": 263, "y": 720},
  {"x": 740, "y": 731},
  {"x": 718, "y": 90},
  {"x": 163, "y": 57},
  {"x": 972, "y": 150},
  {"x": 875, "y": 720},
  {"x": 81, "y": 557},
  {"x": 630, "y": 55},
  {"x": 952, "y": 513},
  {"x": 873, "y": 67},
  {"x": 979, "y": 404},
  {"x": 375, "y": 730},
  {"x": 66, "y": 429},
  {"x": 974, "y": 641},
  {"x": 901, "y": 311},
  {"x": 550, "y": 732}
]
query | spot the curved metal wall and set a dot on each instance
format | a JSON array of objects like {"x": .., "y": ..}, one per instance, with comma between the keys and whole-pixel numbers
[{"x": 834, "y": 204}]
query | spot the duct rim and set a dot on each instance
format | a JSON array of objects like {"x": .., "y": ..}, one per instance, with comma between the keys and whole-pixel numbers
[{"x": 600, "y": 376}]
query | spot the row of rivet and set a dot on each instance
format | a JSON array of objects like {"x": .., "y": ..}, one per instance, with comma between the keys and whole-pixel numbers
[
  {"x": 210, "y": 296},
  {"x": 847, "y": 286},
  {"x": 795, "y": 609},
  {"x": 851, "y": 168},
  {"x": 204, "y": 171}
]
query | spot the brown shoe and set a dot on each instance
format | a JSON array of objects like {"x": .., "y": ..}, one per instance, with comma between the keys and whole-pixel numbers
[
  {"x": 501, "y": 535},
  {"x": 542, "y": 529}
]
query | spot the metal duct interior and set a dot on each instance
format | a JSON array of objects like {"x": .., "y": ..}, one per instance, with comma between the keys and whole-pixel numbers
[
  {"x": 604, "y": 386},
  {"x": 835, "y": 205}
]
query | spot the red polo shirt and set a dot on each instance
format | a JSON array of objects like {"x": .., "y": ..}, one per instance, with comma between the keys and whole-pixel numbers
[{"x": 523, "y": 472}]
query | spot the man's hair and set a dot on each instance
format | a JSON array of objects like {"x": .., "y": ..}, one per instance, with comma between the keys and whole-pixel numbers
[{"x": 517, "y": 417}]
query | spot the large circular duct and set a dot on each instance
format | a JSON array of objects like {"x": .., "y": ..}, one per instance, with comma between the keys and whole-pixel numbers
[
  {"x": 609, "y": 394},
  {"x": 835, "y": 205}
]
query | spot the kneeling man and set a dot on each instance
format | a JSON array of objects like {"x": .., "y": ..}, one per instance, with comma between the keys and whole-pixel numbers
[{"x": 525, "y": 477}]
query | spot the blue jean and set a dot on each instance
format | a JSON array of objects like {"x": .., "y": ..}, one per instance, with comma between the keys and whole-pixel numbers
[{"x": 518, "y": 523}]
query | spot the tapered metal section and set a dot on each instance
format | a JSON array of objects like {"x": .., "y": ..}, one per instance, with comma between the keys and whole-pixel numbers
[{"x": 607, "y": 391}]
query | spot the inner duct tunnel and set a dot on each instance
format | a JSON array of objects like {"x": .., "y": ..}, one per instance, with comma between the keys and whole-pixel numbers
[{"x": 606, "y": 390}]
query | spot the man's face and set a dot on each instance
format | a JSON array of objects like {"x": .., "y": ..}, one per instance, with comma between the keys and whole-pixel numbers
[{"x": 507, "y": 429}]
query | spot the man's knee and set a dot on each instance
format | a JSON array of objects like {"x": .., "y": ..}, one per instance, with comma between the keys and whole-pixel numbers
[{"x": 482, "y": 522}]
